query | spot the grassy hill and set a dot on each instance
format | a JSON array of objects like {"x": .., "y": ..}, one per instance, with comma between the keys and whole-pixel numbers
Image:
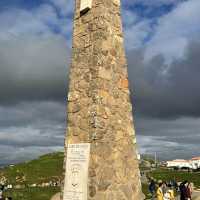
[
  {"x": 49, "y": 168},
  {"x": 33, "y": 193},
  {"x": 42, "y": 170},
  {"x": 180, "y": 176}
]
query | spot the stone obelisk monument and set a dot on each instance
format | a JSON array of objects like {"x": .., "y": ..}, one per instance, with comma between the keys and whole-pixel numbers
[{"x": 100, "y": 161}]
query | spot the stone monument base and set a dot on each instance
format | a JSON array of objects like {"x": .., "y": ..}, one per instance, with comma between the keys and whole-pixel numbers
[{"x": 56, "y": 196}]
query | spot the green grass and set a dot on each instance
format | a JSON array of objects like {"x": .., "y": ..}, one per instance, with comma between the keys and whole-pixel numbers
[
  {"x": 179, "y": 176},
  {"x": 145, "y": 191},
  {"x": 50, "y": 167},
  {"x": 46, "y": 168},
  {"x": 33, "y": 193}
]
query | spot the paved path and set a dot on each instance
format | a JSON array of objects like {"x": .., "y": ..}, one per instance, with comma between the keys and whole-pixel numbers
[
  {"x": 56, "y": 197},
  {"x": 195, "y": 195}
]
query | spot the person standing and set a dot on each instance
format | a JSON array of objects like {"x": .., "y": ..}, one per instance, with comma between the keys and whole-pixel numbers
[
  {"x": 166, "y": 196},
  {"x": 1, "y": 192},
  {"x": 152, "y": 188},
  {"x": 164, "y": 187},
  {"x": 189, "y": 191},
  {"x": 183, "y": 190},
  {"x": 171, "y": 192},
  {"x": 159, "y": 192},
  {"x": 1, "y": 195}
]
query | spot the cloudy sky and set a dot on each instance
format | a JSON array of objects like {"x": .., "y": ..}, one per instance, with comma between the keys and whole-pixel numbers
[{"x": 162, "y": 39}]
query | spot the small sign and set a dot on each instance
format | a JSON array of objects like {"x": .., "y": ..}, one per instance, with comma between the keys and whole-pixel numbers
[
  {"x": 76, "y": 175},
  {"x": 85, "y": 5}
]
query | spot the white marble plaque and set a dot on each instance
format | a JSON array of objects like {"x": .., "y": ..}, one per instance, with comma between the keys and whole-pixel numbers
[
  {"x": 85, "y": 5},
  {"x": 76, "y": 174}
]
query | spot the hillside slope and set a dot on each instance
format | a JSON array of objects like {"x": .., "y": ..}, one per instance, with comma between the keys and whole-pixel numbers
[
  {"x": 30, "y": 180},
  {"x": 44, "y": 169}
]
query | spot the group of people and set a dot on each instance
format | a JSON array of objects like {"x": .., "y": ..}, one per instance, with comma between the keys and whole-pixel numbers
[
  {"x": 162, "y": 191},
  {"x": 1, "y": 194},
  {"x": 185, "y": 190},
  {"x": 166, "y": 191}
]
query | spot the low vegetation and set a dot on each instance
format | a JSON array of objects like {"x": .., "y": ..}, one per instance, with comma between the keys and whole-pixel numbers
[
  {"x": 44, "y": 169},
  {"x": 49, "y": 168},
  {"x": 179, "y": 176},
  {"x": 33, "y": 193}
]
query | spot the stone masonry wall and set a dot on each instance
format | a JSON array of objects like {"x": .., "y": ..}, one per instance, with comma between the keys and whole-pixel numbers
[{"x": 99, "y": 108}]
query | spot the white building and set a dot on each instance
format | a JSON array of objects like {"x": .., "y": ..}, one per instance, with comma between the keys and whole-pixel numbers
[
  {"x": 179, "y": 163},
  {"x": 194, "y": 163}
]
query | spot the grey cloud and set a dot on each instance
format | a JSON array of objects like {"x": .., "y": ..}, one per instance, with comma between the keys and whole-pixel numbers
[
  {"x": 31, "y": 125},
  {"x": 34, "y": 141},
  {"x": 182, "y": 127},
  {"x": 33, "y": 84},
  {"x": 153, "y": 3},
  {"x": 11, "y": 154},
  {"x": 170, "y": 139},
  {"x": 166, "y": 91},
  {"x": 37, "y": 114},
  {"x": 174, "y": 30},
  {"x": 33, "y": 68},
  {"x": 40, "y": 124},
  {"x": 167, "y": 149},
  {"x": 38, "y": 71},
  {"x": 166, "y": 103}
]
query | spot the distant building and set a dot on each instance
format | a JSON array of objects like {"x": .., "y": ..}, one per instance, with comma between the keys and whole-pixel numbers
[
  {"x": 194, "y": 163},
  {"x": 179, "y": 163}
]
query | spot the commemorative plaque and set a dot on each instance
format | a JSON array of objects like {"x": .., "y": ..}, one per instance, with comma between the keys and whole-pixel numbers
[
  {"x": 85, "y": 5},
  {"x": 76, "y": 176}
]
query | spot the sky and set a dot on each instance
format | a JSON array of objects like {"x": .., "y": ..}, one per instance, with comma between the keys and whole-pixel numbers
[{"x": 162, "y": 41}]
